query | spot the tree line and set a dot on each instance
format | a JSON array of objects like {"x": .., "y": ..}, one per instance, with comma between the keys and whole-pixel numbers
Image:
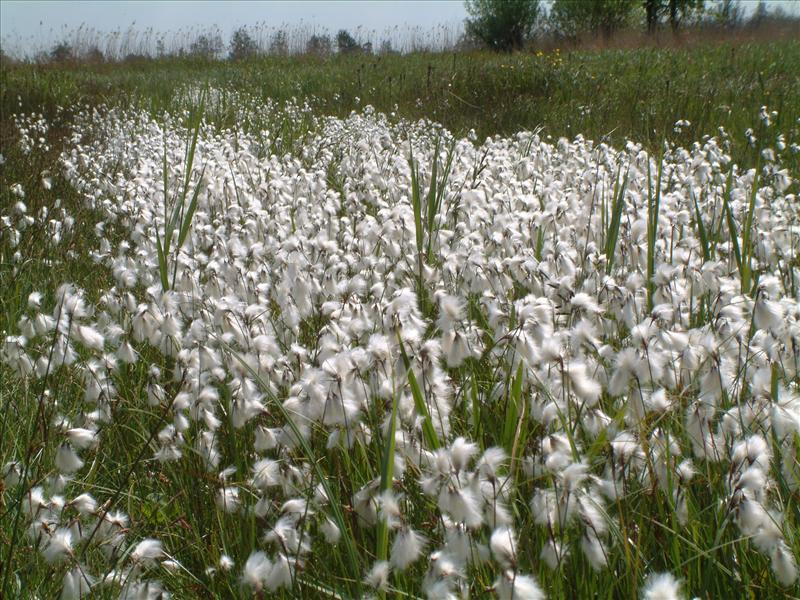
[
  {"x": 507, "y": 25},
  {"x": 501, "y": 25},
  {"x": 210, "y": 46}
]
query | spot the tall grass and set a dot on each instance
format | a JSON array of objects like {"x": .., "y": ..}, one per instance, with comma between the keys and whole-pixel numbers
[
  {"x": 89, "y": 44},
  {"x": 179, "y": 218},
  {"x": 610, "y": 95}
]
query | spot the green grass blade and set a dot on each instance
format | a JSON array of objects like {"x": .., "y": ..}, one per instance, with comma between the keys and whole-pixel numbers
[
  {"x": 432, "y": 192},
  {"x": 732, "y": 230},
  {"x": 387, "y": 475},
  {"x": 617, "y": 207},
  {"x": 187, "y": 217},
  {"x": 747, "y": 233},
  {"x": 701, "y": 228},
  {"x": 513, "y": 410},
  {"x": 167, "y": 218},
  {"x": 441, "y": 190},
  {"x": 416, "y": 202},
  {"x": 163, "y": 268},
  {"x": 428, "y": 431},
  {"x": 653, "y": 204},
  {"x": 476, "y": 411}
]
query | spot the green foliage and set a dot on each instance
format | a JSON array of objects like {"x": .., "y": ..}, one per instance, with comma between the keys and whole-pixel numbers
[
  {"x": 177, "y": 214},
  {"x": 675, "y": 11},
  {"x": 571, "y": 17},
  {"x": 207, "y": 47},
  {"x": 653, "y": 204},
  {"x": 729, "y": 13},
  {"x": 615, "y": 218},
  {"x": 62, "y": 52},
  {"x": 279, "y": 44},
  {"x": 346, "y": 43},
  {"x": 386, "y": 47},
  {"x": 503, "y": 25},
  {"x": 611, "y": 95},
  {"x": 319, "y": 45},
  {"x": 242, "y": 45}
]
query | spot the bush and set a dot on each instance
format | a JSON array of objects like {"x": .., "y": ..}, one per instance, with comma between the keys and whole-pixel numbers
[
  {"x": 242, "y": 45},
  {"x": 206, "y": 46},
  {"x": 62, "y": 52},
  {"x": 319, "y": 45},
  {"x": 279, "y": 45},
  {"x": 502, "y": 25},
  {"x": 572, "y": 17},
  {"x": 346, "y": 42}
]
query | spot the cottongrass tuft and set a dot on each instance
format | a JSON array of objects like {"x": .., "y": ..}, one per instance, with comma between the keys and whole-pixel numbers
[
  {"x": 661, "y": 586},
  {"x": 514, "y": 586}
]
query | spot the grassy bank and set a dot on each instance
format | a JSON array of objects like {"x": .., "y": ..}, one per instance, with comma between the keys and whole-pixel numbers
[{"x": 610, "y": 95}]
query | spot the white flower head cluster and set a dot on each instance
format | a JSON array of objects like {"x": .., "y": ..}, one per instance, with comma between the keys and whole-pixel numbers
[{"x": 392, "y": 283}]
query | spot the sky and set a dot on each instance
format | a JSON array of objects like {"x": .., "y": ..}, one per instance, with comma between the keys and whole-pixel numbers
[{"x": 34, "y": 25}]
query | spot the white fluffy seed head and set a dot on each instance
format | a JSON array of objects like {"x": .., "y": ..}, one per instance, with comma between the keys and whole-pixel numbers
[
  {"x": 147, "y": 551},
  {"x": 59, "y": 547},
  {"x": 67, "y": 460},
  {"x": 661, "y": 586},
  {"x": 553, "y": 553},
  {"x": 330, "y": 531},
  {"x": 227, "y": 499},
  {"x": 82, "y": 438},
  {"x": 503, "y": 544},
  {"x": 462, "y": 452},
  {"x": 225, "y": 563},
  {"x": 784, "y": 564},
  {"x": 35, "y": 300},
  {"x": 516, "y": 586},
  {"x": 594, "y": 551},
  {"x": 85, "y": 504},
  {"x": 76, "y": 584},
  {"x": 378, "y": 576},
  {"x": 451, "y": 312},
  {"x": 256, "y": 570},
  {"x": 407, "y": 547}
]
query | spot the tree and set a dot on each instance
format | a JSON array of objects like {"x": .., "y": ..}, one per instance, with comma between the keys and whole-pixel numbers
[
  {"x": 760, "y": 15},
  {"x": 652, "y": 8},
  {"x": 242, "y": 45},
  {"x": 730, "y": 13},
  {"x": 319, "y": 45},
  {"x": 206, "y": 46},
  {"x": 279, "y": 45},
  {"x": 502, "y": 25},
  {"x": 680, "y": 10},
  {"x": 62, "y": 52},
  {"x": 572, "y": 17},
  {"x": 386, "y": 48},
  {"x": 5, "y": 59},
  {"x": 95, "y": 55},
  {"x": 346, "y": 42},
  {"x": 676, "y": 10}
]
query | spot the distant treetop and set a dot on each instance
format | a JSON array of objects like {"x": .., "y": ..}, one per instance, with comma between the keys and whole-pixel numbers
[{"x": 503, "y": 25}]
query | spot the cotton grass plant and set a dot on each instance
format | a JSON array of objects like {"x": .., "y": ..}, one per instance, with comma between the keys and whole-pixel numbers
[{"x": 389, "y": 362}]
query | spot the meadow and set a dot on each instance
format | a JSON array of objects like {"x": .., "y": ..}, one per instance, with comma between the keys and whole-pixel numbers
[{"x": 438, "y": 325}]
